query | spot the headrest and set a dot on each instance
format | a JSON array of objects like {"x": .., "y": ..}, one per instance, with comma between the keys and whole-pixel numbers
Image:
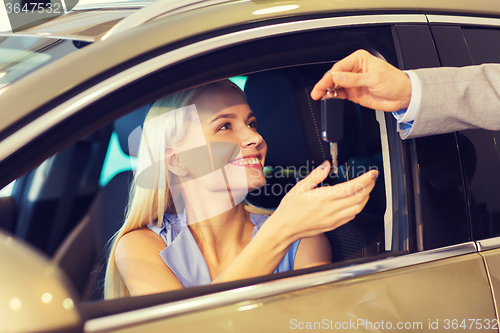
[
  {"x": 286, "y": 112},
  {"x": 126, "y": 124},
  {"x": 271, "y": 96}
]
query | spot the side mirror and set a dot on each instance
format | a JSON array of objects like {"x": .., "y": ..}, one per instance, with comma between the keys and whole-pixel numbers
[{"x": 34, "y": 295}]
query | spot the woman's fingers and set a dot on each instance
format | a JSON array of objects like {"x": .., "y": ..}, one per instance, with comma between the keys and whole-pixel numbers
[
  {"x": 361, "y": 184},
  {"x": 307, "y": 186},
  {"x": 312, "y": 180},
  {"x": 338, "y": 214},
  {"x": 325, "y": 208}
]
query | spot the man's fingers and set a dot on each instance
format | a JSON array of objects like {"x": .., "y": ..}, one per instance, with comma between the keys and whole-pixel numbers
[
  {"x": 353, "y": 63},
  {"x": 343, "y": 80},
  {"x": 320, "y": 88},
  {"x": 350, "y": 72}
]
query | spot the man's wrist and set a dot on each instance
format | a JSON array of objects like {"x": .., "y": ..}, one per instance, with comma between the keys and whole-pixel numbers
[{"x": 409, "y": 115}]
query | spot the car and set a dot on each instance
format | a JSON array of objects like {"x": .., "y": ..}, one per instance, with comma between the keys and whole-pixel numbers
[{"x": 424, "y": 254}]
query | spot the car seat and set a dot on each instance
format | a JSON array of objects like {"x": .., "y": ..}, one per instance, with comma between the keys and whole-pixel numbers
[{"x": 83, "y": 254}]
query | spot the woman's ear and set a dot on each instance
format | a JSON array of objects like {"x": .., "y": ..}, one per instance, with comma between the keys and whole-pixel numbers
[{"x": 174, "y": 164}]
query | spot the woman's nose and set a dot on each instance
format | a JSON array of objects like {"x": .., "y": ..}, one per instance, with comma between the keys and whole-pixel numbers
[{"x": 251, "y": 138}]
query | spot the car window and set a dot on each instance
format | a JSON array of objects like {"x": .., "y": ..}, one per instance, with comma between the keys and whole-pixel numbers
[
  {"x": 290, "y": 123},
  {"x": 116, "y": 161},
  {"x": 21, "y": 55},
  {"x": 7, "y": 190},
  {"x": 479, "y": 148},
  {"x": 287, "y": 122}
]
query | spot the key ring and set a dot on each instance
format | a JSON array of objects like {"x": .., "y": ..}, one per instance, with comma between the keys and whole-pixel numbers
[{"x": 330, "y": 90}]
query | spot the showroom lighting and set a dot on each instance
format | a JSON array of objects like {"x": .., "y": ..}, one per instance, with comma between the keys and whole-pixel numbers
[
  {"x": 15, "y": 304},
  {"x": 46, "y": 298},
  {"x": 275, "y": 9},
  {"x": 68, "y": 304}
]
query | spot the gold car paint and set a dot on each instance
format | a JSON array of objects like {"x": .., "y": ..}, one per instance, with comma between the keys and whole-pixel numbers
[
  {"x": 492, "y": 260},
  {"x": 430, "y": 293},
  {"x": 37, "y": 299},
  {"x": 87, "y": 25}
]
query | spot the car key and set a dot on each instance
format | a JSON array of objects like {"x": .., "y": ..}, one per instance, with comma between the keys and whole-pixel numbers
[{"x": 332, "y": 123}]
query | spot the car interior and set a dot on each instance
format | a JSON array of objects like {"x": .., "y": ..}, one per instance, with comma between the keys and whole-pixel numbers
[{"x": 65, "y": 209}]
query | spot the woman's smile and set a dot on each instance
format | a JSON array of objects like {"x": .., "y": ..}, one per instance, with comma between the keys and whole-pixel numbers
[{"x": 248, "y": 161}]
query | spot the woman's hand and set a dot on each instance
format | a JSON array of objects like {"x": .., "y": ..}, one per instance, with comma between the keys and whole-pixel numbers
[
  {"x": 308, "y": 211},
  {"x": 367, "y": 80}
]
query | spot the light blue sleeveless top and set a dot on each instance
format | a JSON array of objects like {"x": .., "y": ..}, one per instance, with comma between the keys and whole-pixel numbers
[{"x": 184, "y": 257}]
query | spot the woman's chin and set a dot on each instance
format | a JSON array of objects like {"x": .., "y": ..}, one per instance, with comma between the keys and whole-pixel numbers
[{"x": 256, "y": 183}]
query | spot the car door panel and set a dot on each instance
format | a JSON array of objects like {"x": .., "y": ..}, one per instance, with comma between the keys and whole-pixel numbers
[
  {"x": 480, "y": 155},
  {"x": 492, "y": 262},
  {"x": 396, "y": 296}
]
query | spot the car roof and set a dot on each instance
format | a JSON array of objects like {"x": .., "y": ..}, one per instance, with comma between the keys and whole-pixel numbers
[
  {"x": 96, "y": 58},
  {"x": 89, "y": 21},
  {"x": 83, "y": 25},
  {"x": 86, "y": 22}
]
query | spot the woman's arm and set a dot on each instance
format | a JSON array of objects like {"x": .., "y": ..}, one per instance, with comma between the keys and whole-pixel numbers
[
  {"x": 306, "y": 211},
  {"x": 140, "y": 265},
  {"x": 313, "y": 251}
]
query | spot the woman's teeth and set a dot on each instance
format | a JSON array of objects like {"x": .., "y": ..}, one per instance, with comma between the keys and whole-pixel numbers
[
  {"x": 247, "y": 161},
  {"x": 252, "y": 160}
]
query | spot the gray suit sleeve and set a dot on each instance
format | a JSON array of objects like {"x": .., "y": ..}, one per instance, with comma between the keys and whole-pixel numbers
[{"x": 454, "y": 99}]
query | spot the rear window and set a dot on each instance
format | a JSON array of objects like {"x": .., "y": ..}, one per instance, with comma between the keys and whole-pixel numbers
[{"x": 21, "y": 55}]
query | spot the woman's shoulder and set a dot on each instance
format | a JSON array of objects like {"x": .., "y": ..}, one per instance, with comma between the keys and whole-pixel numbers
[
  {"x": 140, "y": 239},
  {"x": 168, "y": 220}
]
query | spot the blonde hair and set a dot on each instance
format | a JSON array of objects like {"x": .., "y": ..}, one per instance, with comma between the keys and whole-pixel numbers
[{"x": 149, "y": 201}]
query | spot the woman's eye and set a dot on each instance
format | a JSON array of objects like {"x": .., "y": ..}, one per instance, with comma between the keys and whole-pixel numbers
[
  {"x": 252, "y": 124},
  {"x": 225, "y": 126}
]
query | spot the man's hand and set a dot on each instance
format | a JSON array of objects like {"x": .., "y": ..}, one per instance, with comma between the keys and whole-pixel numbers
[{"x": 367, "y": 80}]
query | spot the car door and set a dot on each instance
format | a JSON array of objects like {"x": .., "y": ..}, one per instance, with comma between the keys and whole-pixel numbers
[
  {"x": 391, "y": 290},
  {"x": 475, "y": 42}
]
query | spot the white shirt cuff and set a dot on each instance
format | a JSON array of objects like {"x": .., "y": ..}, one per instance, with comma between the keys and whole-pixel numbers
[{"x": 416, "y": 96}]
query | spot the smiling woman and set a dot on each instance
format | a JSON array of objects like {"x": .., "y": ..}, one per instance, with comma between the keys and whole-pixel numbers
[{"x": 200, "y": 155}]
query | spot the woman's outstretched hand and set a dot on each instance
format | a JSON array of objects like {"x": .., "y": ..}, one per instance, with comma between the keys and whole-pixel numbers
[
  {"x": 308, "y": 210},
  {"x": 367, "y": 80}
]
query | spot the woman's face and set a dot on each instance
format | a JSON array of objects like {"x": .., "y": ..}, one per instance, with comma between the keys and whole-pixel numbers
[{"x": 228, "y": 127}]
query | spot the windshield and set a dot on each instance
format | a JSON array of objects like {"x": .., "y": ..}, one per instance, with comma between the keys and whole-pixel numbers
[{"x": 21, "y": 55}]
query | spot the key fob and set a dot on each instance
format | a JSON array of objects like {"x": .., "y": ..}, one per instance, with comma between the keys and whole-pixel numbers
[{"x": 332, "y": 119}]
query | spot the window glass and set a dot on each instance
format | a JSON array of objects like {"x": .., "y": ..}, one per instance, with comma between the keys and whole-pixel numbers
[
  {"x": 481, "y": 162},
  {"x": 483, "y": 44},
  {"x": 21, "y": 55},
  {"x": 7, "y": 190},
  {"x": 280, "y": 124},
  {"x": 116, "y": 161},
  {"x": 286, "y": 118},
  {"x": 441, "y": 196},
  {"x": 479, "y": 148}
]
